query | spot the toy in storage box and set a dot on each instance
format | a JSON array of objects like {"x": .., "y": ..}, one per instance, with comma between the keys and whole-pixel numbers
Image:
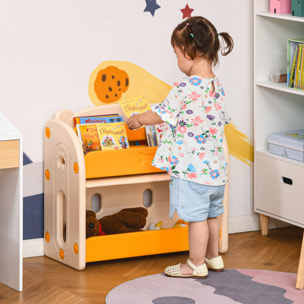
[{"x": 288, "y": 144}]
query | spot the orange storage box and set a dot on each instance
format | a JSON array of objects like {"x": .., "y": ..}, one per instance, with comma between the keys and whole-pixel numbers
[{"x": 135, "y": 160}]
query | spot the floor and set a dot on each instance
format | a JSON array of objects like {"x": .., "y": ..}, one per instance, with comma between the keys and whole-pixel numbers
[{"x": 47, "y": 281}]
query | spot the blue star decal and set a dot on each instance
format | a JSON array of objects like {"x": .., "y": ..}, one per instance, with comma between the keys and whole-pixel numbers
[{"x": 151, "y": 7}]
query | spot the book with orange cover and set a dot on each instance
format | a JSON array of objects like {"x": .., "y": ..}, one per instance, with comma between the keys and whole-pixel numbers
[
  {"x": 89, "y": 137},
  {"x": 135, "y": 105},
  {"x": 112, "y": 136}
]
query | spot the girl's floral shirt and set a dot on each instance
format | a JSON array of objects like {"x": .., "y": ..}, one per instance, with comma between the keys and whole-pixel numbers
[{"x": 191, "y": 145}]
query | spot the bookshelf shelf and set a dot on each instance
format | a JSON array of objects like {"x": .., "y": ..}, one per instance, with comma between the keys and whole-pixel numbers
[
  {"x": 276, "y": 108},
  {"x": 279, "y": 87},
  {"x": 287, "y": 17},
  {"x": 127, "y": 180}
]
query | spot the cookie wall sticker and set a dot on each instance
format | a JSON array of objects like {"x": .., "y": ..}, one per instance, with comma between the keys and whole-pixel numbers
[{"x": 112, "y": 81}]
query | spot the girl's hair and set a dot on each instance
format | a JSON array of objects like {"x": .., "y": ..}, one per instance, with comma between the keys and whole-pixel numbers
[{"x": 197, "y": 36}]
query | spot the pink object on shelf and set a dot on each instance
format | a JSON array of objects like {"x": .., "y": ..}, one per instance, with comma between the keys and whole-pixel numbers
[{"x": 280, "y": 6}]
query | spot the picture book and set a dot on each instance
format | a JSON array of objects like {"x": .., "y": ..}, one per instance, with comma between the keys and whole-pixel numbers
[
  {"x": 112, "y": 135},
  {"x": 293, "y": 67},
  {"x": 98, "y": 119},
  {"x": 296, "y": 79},
  {"x": 295, "y": 57},
  {"x": 135, "y": 105},
  {"x": 89, "y": 137},
  {"x": 151, "y": 135},
  {"x": 299, "y": 81}
]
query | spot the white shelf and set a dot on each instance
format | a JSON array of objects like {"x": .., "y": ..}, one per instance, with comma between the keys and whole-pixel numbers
[
  {"x": 279, "y": 87},
  {"x": 287, "y": 17},
  {"x": 276, "y": 108},
  {"x": 126, "y": 180}
]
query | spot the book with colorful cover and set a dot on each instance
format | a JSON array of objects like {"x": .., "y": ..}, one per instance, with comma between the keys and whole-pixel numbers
[
  {"x": 293, "y": 68},
  {"x": 89, "y": 137},
  {"x": 292, "y": 57},
  {"x": 151, "y": 135},
  {"x": 135, "y": 105},
  {"x": 112, "y": 136},
  {"x": 109, "y": 118},
  {"x": 298, "y": 82}
]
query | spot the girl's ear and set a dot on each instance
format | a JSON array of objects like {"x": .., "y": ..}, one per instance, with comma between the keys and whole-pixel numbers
[
  {"x": 185, "y": 54},
  {"x": 187, "y": 57}
]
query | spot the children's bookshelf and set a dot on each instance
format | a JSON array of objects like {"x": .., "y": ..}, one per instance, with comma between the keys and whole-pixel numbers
[
  {"x": 276, "y": 108},
  {"x": 106, "y": 182}
]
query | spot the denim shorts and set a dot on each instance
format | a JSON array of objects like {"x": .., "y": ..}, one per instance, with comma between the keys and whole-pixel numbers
[{"x": 195, "y": 202}]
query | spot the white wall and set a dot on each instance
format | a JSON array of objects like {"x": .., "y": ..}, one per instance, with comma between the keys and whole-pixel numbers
[{"x": 49, "y": 49}]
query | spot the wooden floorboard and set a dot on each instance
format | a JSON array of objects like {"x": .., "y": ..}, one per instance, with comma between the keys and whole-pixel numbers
[{"x": 47, "y": 281}]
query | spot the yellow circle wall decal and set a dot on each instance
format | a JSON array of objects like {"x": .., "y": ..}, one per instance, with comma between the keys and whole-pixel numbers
[
  {"x": 47, "y": 174},
  {"x": 47, "y": 132},
  {"x": 61, "y": 254}
]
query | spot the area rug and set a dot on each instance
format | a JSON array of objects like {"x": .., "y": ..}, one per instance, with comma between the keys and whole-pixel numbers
[{"x": 231, "y": 286}]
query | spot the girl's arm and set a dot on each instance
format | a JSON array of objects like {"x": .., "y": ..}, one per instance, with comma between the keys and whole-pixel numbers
[{"x": 147, "y": 118}]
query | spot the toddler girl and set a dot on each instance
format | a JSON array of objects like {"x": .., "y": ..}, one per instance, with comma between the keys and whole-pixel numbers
[{"x": 191, "y": 149}]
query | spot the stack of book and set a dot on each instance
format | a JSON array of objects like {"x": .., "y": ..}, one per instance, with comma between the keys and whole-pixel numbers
[
  {"x": 296, "y": 57},
  {"x": 102, "y": 132},
  {"x": 107, "y": 132}
]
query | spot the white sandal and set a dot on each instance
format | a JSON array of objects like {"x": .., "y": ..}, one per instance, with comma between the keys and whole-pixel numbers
[
  {"x": 215, "y": 264},
  {"x": 199, "y": 272}
]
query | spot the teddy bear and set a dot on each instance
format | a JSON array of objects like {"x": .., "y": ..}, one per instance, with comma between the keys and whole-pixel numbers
[{"x": 126, "y": 220}]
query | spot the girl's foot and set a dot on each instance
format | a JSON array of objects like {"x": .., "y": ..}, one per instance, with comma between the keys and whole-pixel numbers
[
  {"x": 215, "y": 264},
  {"x": 188, "y": 270}
]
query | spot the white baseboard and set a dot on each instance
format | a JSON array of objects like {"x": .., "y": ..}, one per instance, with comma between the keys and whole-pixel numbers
[
  {"x": 251, "y": 222},
  {"x": 237, "y": 224},
  {"x": 33, "y": 248}
]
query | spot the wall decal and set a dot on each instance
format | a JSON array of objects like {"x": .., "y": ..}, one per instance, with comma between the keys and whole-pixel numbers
[
  {"x": 239, "y": 144},
  {"x": 134, "y": 81},
  {"x": 187, "y": 11},
  {"x": 151, "y": 6},
  {"x": 110, "y": 83}
]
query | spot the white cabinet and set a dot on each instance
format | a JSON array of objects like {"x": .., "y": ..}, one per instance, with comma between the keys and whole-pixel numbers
[
  {"x": 11, "y": 211},
  {"x": 276, "y": 108}
]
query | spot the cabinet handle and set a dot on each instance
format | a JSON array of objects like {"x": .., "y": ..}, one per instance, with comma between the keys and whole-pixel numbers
[{"x": 287, "y": 180}]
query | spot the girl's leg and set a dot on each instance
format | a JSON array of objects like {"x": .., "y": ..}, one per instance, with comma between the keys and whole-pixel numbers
[
  {"x": 214, "y": 231},
  {"x": 198, "y": 241}
]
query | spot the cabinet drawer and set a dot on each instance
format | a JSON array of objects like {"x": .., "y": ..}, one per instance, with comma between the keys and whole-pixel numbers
[
  {"x": 9, "y": 154},
  {"x": 279, "y": 188}
]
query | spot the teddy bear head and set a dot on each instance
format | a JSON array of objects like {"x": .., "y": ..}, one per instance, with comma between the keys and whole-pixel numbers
[{"x": 92, "y": 224}]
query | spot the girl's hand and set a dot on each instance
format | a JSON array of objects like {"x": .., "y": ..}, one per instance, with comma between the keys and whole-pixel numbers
[{"x": 133, "y": 122}]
